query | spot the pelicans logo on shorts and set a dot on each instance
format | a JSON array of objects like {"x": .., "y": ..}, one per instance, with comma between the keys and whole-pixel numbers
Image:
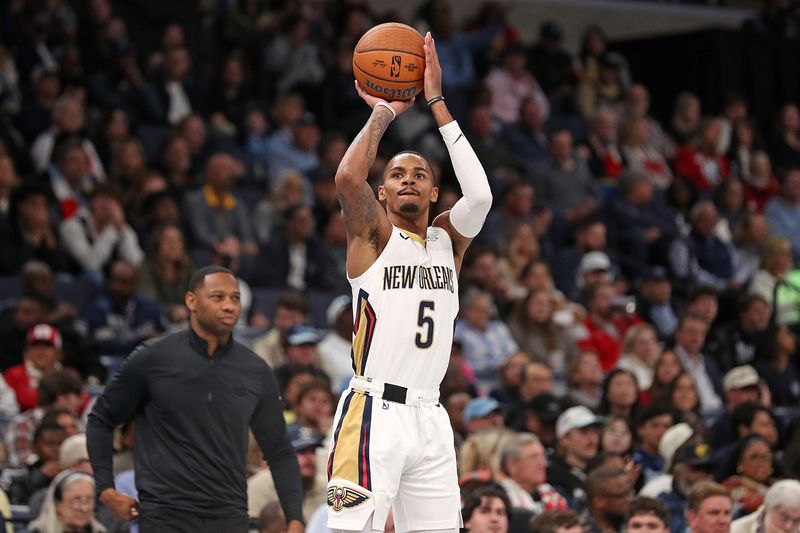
[{"x": 345, "y": 497}]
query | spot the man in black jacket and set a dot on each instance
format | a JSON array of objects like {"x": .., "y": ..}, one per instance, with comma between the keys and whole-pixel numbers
[{"x": 194, "y": 395}]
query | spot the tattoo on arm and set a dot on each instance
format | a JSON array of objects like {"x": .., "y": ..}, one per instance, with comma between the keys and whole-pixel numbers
[{"x": 360, "y": 206}]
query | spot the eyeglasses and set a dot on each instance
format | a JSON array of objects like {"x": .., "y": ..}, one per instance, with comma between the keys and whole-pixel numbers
[
  {"x": 81, "y": 502},
  {"x": 785, "y": 522}
]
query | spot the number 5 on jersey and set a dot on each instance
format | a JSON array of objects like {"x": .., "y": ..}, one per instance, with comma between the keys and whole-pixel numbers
[{"x": 424, "y": 337}]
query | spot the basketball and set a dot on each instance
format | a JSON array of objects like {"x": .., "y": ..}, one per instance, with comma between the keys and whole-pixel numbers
[{"x": 389, "y": 62}]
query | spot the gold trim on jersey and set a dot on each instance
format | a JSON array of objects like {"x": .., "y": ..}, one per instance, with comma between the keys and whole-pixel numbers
[
  {"x": 349, "y": 458},
  {"x": 413, "y": 236},
  {"x": 363, "y": 331}
]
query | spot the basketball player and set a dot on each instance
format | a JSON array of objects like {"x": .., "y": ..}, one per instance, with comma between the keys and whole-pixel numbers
[{"x": 393, "y": 445}]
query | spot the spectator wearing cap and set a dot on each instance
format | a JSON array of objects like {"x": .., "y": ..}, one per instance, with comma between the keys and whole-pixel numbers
[
  {"x": 691, "y": 464},
  {"x": 219, "y": 225},
  {"x": 29, "y": 232},
  {"x": 647, "y": 515},
  {"x": 777, "y": 365},
  {"x": 605, "y": 323},
  {"x": 42, "y": 356},
  {"x": 301, "y": 352},
  {"x": 734, "y": 344},
  {"x": 481, "y": 414},
  {"x": 578, "y": 438},
  {"x": 524, "y": 462},
  {"x": 741, "y": 385},
  {"x": 539, "y": 418},
  {"x": 594, "y": 267},
  {"x": 298, "y": 151},
  {"x": 306, "y": 442},
  {"x": 672, "y": 439},
  {"x": 291, "y": 309},
  {"x": 553, "y": 65},
  {"x": 609, "y": 492},
  {"x": 651, "y": 425},
  {"x": 295, "y": 256},
  {"x": 690, "y": 337},
  {"x": 780, "y": 511},
  {"x": 97, "y": 237},
  {"x": 590, "y": 235},
  {"x": 334, "y": 348},
  {"x": 710, "y": 508},
  {"x": 120, "y": 319}
]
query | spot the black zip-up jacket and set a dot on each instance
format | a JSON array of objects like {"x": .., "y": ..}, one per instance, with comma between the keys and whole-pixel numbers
[{"x": 192, "y": 414}]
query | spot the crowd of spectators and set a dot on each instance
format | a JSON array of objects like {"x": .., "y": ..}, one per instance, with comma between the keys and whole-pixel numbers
[{"x": 629, "y": 312}]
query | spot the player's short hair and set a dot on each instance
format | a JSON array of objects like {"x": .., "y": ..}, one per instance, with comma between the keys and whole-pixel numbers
[
  {"x": 199, "y": 278},
  {"x": 418, "y": 154},
  {"x": 552, "y": 521},
  {"x": 642, "y": 505}
]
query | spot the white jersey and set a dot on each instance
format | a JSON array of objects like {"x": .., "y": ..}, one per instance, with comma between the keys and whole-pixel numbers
[{"x": 405, "y": 306}]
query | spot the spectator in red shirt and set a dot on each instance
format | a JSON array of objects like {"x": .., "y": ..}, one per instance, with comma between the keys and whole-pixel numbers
[
  {"x": 700, "y": 161},
  {"x": 42, "y": 355},
  {"x": 760, "y": 185},
  {"x": 605, "y": 324}
]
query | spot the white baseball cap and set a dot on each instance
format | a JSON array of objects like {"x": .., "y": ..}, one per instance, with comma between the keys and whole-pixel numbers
[
  {"x": 577, "y": 417},
  {"x": 674, "y": 438},
  {"x": 594, "y": 261},
  {"x": 740, "y": 377}
]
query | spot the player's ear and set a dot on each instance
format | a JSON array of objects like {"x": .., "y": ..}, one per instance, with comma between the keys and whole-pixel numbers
[
  {"x": 434, "y": 194},
  {"x": 381, "y": 193}
]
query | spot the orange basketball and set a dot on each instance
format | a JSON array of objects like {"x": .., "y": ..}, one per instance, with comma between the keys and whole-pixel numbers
[{"x": 389, "y": 61}]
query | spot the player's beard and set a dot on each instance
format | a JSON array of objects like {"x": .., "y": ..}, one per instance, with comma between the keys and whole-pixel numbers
[{"x": 409, "y": 208}]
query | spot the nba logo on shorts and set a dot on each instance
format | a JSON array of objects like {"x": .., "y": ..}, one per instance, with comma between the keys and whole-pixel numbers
[
  {"x": 345, "y": 497},
  {"x": 395, "y": 71}
]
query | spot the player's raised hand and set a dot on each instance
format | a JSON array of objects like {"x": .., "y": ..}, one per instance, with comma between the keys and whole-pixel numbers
[
  {"x": 433, "y": 70},
  {"x": 399, "y": 106}
]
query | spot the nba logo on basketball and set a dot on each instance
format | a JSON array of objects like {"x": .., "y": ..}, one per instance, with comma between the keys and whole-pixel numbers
[{"x": 395, "y": 72}]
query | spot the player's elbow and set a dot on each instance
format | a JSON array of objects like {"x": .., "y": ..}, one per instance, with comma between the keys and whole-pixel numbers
[
  {"x": 346, "y": 178},
  {"x": 482, "y": 201}
]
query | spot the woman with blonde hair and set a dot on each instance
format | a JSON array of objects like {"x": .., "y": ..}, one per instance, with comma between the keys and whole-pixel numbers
[
  {"x": 641, "y": 154},
  {"x": 640, "y": 353},
  {"x": 68, "y": 506},
  {"x": 778, "y": 283},
  {"x": 522, "y": 248}
]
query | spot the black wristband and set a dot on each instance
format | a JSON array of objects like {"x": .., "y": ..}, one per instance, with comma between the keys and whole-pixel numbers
[{"x": 435, "y": 99}]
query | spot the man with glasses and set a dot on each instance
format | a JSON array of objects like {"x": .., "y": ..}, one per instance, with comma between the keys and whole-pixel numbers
[
  {"x": 610, "y": 491},
  {"x": 780, "y": 512}
]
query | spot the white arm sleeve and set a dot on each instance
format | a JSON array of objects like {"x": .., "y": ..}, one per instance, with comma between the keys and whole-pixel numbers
[{"x": 469, "y": 212}]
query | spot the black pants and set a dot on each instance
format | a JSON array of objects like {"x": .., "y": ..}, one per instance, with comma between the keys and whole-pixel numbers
[{"x": 169, "y": 521}]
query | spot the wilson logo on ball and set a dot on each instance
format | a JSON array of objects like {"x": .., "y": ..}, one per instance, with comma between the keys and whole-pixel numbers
[
  {"x": 395, "y": 72},
  {"x": 387, "y": 92}
]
